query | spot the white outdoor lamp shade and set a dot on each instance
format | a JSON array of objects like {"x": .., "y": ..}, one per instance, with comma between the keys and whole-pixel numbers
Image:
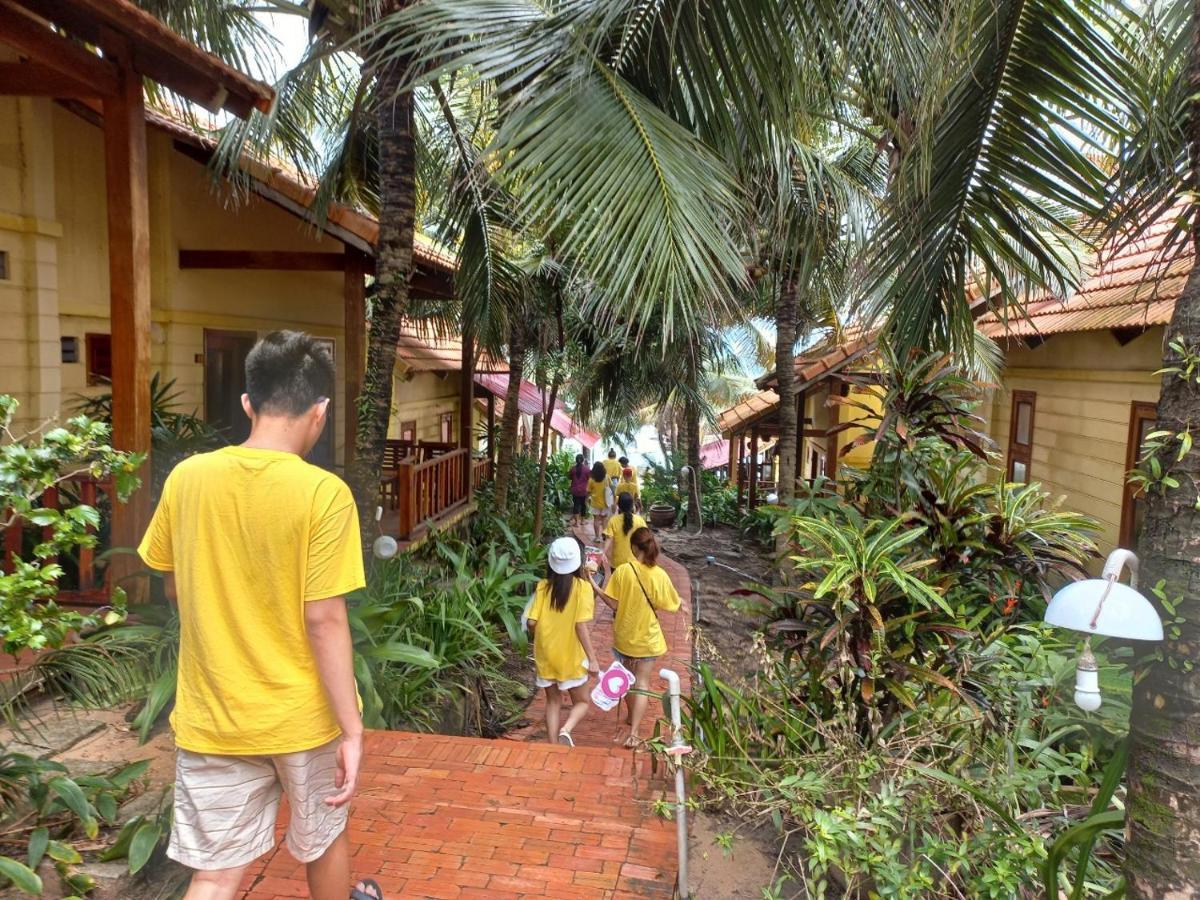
[{"x": 1124, "y": 613}]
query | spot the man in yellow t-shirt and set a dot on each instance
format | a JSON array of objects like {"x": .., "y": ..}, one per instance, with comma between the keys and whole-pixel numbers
[{"x": 260, "y": 549}]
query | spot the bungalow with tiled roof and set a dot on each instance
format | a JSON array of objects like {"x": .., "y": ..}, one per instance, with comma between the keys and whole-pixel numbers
[
  {"x": 1079, "y": 388},
  {"x": 752, "y": 426}
]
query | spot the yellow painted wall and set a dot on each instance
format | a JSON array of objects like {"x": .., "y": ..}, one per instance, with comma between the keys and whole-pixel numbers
[
  {"x": 1085, "y": 385},
  {"x": 53, "y": 225}
]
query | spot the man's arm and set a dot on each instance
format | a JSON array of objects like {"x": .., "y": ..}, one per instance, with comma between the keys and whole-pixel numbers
[{"x": 328, "y": 631}]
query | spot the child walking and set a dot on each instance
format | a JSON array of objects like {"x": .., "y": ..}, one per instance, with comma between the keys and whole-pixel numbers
[
  {"x": 599, "y": 498},
  {"x": 636, "y": 591},
  {"x": 563, "y": 605},
  {"x": 620, "y": 529}
]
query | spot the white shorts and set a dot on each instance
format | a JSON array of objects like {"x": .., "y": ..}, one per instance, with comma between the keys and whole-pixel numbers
[
  {"x": 565, "y": 685},
  {"x": 226, "y": 806}
]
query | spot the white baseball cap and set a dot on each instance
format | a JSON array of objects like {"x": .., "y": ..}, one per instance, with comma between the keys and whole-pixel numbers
[{"x": 564, "y": 556}]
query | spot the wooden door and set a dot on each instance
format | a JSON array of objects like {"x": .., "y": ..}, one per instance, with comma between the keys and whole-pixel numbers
[
  {"x": 1142, "y": 417},
  {"x": 225, "y": 381},
  {"x": 1020, "y": 436}
]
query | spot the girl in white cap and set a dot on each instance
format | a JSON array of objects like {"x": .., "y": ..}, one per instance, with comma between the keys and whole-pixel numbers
[{"x": 562, "y": 608}]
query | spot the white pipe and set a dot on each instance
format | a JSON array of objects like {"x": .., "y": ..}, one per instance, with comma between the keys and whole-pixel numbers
[
  {"x": 681, "y": 833},
  {"x": 1118, "y": 559}
]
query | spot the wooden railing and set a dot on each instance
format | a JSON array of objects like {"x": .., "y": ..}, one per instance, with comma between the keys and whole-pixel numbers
[
  {"x": 481, "y": 472},
  {"x": 88, "y": 588},
  {"x": 430, "y": 489}
]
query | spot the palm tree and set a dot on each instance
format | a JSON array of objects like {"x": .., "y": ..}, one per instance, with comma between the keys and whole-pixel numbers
[
  {"x": 986, "y": 198},
  {"x": 1159, "y": 173}
]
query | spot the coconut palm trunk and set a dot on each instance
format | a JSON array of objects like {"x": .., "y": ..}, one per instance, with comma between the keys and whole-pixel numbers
[
  {"x": 1163, "y": 812},
  {"x": 511, "y": 420},
  {"x": 393, "y": 271},
  {"x": 785, "y": 373},
  {"x": 691, "y": 413}
]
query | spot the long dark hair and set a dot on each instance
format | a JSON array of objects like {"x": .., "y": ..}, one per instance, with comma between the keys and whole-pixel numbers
[
  {"x": 646, "y": 546},
  {"x": 578, "y": 464},
  {"x": 560, "y": 588},
  {"x": 599, "y": 473},
  {"x": 625, "y": 508}
]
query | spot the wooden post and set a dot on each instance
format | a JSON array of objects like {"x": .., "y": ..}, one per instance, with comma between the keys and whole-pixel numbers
[
  {"x": 831, "y": 443},
  {"x": 753, "y": 467},
  {"x": 491, "y": 428},
  {"x": 732, "y": 475},
  {"x": 466, "y": 405},
  {"x": 129, "y": 296},
  {"x": 741, "y": 468},
  {"x": 354, "y": 315},
  {"x": 801, "y": 400}
]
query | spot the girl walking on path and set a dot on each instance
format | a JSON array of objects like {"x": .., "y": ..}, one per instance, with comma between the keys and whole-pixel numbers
[
  {"x": 579, "y": 474},
  {"x": 628, "y": 485},
  {"x": 559, "y": 618},
  {"x": 599, "y": 498},
  {"x": 619, "y": 530},
  {"x": 636, "y": 591}
]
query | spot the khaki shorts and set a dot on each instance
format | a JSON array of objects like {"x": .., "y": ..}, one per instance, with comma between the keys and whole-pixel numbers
[{"x": 226, "y": 806}]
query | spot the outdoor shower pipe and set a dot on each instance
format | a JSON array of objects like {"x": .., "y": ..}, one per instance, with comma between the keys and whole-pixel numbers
[
  {"x": 678, "y": 749},
  {"x": 712, "y": 561}
]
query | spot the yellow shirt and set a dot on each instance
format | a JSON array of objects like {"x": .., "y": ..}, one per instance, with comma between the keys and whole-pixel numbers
[
  {"x": 612, "y": 468},
  {"x": 251, "y": 535},
  {"x": 557, "y": 651},
  {"x": 596, "y": 491},
  {"x": 615, "y": 529},
  {"x": 627, "y": 487},
  {"x": 636, "y": 631}
]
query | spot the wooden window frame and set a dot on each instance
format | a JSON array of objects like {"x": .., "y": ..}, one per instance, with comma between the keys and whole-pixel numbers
[
  {"x": 1139, "y": 411},
  {"x": 1022, "y": 453},
  {"x": 446, "y": 425},
  {"x": 92, "y": 340},
  {"x": 411, "y": 427}
]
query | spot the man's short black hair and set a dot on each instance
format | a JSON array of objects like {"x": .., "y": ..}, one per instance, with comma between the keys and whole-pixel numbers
[{"x": 287, "y": 372}]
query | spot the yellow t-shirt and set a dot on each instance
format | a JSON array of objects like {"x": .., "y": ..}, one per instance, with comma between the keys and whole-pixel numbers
[
  {"x": 251, "y": 535},
  {"x": 612, "y": 468},
  {"x": 615, "y": 529},
  {"x": 636, "y": 631},
  {"x": 627, "y": 487},
  {"x": 596, "y": 495},
  {"x": 557, "y": 651}
]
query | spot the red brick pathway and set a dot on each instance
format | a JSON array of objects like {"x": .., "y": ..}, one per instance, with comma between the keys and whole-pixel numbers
[{"x": 453, "y": 817}]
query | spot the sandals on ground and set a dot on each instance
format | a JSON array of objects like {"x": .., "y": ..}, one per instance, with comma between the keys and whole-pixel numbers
[
  {"x": 564, "y": 738},
  {"x": 357, "y": 894}
]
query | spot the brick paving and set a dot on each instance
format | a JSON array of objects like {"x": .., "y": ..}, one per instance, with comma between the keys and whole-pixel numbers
[{"x": 439, "y": 816}]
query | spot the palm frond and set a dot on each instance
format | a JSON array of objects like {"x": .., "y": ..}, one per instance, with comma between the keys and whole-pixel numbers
[{"x": 1007, "y": 180}]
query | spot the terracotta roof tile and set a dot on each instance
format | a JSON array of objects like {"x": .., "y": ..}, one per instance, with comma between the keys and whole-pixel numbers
[
  {"x": 749, "y": 410},
  {"x": 1134, "y": 286}
]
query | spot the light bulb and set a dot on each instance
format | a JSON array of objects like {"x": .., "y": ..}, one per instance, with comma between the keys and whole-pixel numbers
[{"x": 1087, "y": 681}]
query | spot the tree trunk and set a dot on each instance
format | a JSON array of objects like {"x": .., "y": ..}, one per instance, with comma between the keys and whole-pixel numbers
[
  {"x": 544, "y": 455},
  {"x": 691, "y": 412},
  {"x": 785, "y": 373},
  {"x": 1163, "y": 808},
  {"x": 535, "y": 428},
  {"x": 511, "y": 420},
  {"x": 393, "y": 270}
]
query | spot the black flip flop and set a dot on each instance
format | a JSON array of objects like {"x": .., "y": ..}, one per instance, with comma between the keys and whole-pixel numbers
[{"x": 356, "y": 894}]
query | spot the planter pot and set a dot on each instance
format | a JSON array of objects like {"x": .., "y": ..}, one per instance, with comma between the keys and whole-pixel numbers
[{"x": 661, "y": 515}]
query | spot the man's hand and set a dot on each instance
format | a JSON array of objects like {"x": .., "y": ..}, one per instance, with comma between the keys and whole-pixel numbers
[{"x": 349, "y": 755}]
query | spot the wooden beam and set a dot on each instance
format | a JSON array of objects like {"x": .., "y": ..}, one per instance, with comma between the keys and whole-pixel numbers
[
  {"x": 354, "y": 314},
  {"x": 31, "y": 79},
  {"x": 466, "y": 403},
  {"x": 157, "y": 52},
  {"x": 33, "y": 37},
  {"x": 831, "y": 448},
  {"x": 753, "y": 468},
  {"x": 275, "y": 260},
  {"x": 129, "y": 287},
  {"x": 741, "y": 468}
]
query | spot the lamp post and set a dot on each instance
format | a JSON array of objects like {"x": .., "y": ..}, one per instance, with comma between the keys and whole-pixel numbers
[{"x": 1103, "y": 606}]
